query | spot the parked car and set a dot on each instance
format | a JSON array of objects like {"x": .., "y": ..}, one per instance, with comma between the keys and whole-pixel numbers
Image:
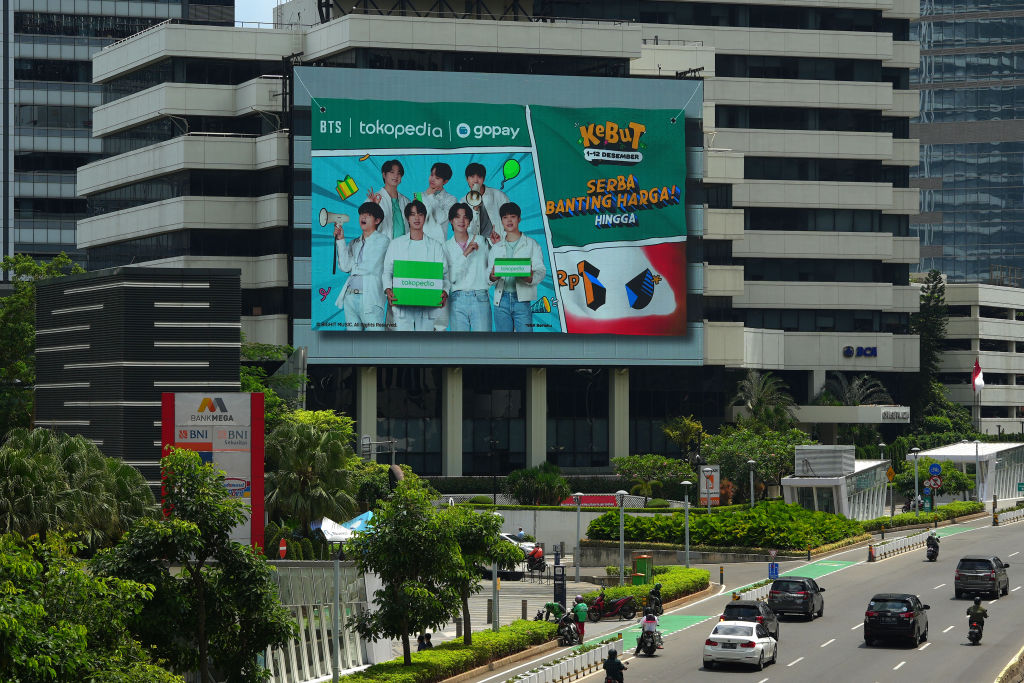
[
  {"x": 752, "y": 610},
  {"x": 740, "y": 642},
  {"x": 981, "y": 574},
  {"x": 525, "y": 546},
  {"x": 796, "y": 595},
  {"x": 896, "y": 615}
]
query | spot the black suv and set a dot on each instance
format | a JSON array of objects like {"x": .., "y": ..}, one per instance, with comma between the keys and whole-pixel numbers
[
  {"x": 796, "y": 595},
  {"x": 752, "y": 610},
  {"x": 981, "y": 574},
  {"x": 896, "y": 615}
]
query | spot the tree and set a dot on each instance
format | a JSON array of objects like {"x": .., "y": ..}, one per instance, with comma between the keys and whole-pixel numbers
[
  {"x": 18, "y": 334},
  {"x": 254, "y": 376},
  {"x": 308, "y": 475},
  {"x": 687, "y": 433},
  {"x": 221, "y": 608},
  {"x": 477, "y": 535},
  {"x": 772, "y": 451},
  {"x": 861, "y": 390},
  {"x": 650, "y": 471},
  {"x": 58, "y": 622},
  {"x": 953, "y": 480},
  {"x": 929, "y": 323},
  {"x": 767, "y": 400},
  {"x": 417, "y": 558},
  {"x": 541, "y": 485},
  {"x": 51, "y": 481}
]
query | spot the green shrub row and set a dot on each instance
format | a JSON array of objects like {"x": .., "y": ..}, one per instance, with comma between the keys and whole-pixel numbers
[
  {"x": 454, "y": 657},
  {"x": 958, "y": 508},
  {"x": 768, "y": 525},
  {"x": 590, "y": 508},
  {"x": 295, "y": 548},
  {"x": 676, "y": 582},
  {"x": 657, "y": 503}
]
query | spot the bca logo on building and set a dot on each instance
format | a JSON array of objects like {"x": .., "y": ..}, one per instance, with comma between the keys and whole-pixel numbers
[{"x": 212, "y": 405}]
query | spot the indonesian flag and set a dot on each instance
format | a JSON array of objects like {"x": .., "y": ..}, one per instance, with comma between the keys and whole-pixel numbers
[{"x": 977, "y": 377}]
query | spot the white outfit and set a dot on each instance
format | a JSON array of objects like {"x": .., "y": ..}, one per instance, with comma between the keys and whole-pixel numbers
[
  {"x": 648, "y": 625},
  {"x": 363, "y": 258},
  {"x": 438, "y": 204},
  {"x": 493, "y": 199},
  {"x": 525, "y": 247},
  {"x": 469, "y": 272},
  {"x": 386, "y": 226},
  {"x": 405, "y": 248}
]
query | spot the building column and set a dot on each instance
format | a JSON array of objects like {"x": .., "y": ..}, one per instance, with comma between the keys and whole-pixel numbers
[
  {"x": 451, "y": 422},
  {"x": 815, "y": 383},
  {"x": 618, "y": 412},
  {"x": 366, "y": 402},
  {"x": 536, "y": 416}
]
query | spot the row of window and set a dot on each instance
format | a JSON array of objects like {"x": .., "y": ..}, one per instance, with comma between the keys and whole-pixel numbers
[
  {"x": 810, "y": 118},
  {"x": 954, "y": 33},
  {"x": 51, "y": 162},
  {"x": 52, "y": 116},
  {"x": 66, "y": 71},
  {"x": 935, "y": 7},
  {"x": 96, "y": 26},
  {"x": 816, "y": 320},
  {"x": 814, "y": 68},
  {"x": 44, "y": 235},
  {"x": 189, "y": 242},
  {"x": 824, "y": 220},
  {"x": 970, "y": 200},
  {"x": 825, "y": 170},
  {"x": 48, "y": 207},
  {"x": 482, "y": 62},
  {"x": 189, "y": 70},
  {"x": 164, "y": 129},
  {"x": 988, "y": 103},
  {"x": 823, "y": 270},
  {"x": 992, "y": 66}
]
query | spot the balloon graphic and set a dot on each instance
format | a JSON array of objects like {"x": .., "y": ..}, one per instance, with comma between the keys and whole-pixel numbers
[{"x": 509, "y": 170}]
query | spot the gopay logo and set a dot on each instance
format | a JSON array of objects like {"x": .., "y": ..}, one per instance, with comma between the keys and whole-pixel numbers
[
  {"x": 462, "y": 130},
  {"x": 491, "y": 131}
]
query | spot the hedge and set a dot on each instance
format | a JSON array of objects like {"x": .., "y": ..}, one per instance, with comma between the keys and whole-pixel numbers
[
  {"x": 960, "y": 508},
  {"x": 593, "y": 508},
  {"x": 610, "y": 483},
  {"x": 657, "y": 503},
  {"x": 676, "y": 582},
  {"x": 768, "y": 525},
  {"x": 454, "y": 657}
]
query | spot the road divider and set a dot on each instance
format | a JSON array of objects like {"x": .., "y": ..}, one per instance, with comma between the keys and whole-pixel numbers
[
  {"x": 1010, "y": 516},
  {"x": 884, "y": 549}
]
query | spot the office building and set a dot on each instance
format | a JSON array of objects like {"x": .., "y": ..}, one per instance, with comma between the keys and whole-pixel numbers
[{"x": 797, "y": 203}]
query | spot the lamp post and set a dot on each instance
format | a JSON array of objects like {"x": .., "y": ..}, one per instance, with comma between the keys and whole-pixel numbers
[
  {"x": 977, "y": 471},
  {"x": 621, "y": 496},
  {"x": 493, "y": 443},
  {"x": 917, "y": 506},
  {"x": 707, "y": 476},
  {"x": 578, "y": 499},
  {"x": 495, "y": 620},
  {"x": 888, "y": 485},
  {"x": 686, "y": 518},
  {"x": 751, "y": 464}
]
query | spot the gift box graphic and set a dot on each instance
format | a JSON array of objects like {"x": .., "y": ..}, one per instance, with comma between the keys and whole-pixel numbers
[
  {"x": 418, "y": 283},
  {"x": 347, "y": 187},
  {"x": 512, "y": 267}
]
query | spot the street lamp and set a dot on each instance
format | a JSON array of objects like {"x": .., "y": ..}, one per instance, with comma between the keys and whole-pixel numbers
[
  {"x": 578, "y": 499},
  {"x": 917, "y": 511},
  {"x": 686, "y": 513},
  {"x": 620, "y": 495},
  {"x": 881, "y": 456},
  {"x": 495, "y": 621},
  {"x": 751, "y": 464},
  {"x": 977, "y": 471},
  {"x": 707, "y": 475}
]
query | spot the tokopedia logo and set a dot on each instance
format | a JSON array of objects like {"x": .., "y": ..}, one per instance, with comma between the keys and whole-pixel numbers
[{"x": 397, "y": 130}]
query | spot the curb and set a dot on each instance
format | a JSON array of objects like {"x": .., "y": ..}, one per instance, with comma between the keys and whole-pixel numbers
[{"x": 1012, "y": 671}]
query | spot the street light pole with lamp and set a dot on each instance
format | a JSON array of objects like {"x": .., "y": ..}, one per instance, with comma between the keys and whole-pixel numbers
[
  {"x": 751, "y": 464},
  {"x": 620, "y": 495},
  {"x": 917, "y": 506},
  {"x": 578, "y": 499},
  {"x": 707, "y": 476},
  {"x": 881, "y": 456},
  {"x": 686, "y": 522},
  {"x": 495, "y": 619},
  {"x": 977, "y": 471}
]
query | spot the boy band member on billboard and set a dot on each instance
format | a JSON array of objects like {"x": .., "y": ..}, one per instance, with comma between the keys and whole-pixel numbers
[
  {"x": 391, "y": 201},
  {"x": 414, "y": 246},
  {"x": 486, "y": 202},
  {"x": 438, "y": 201},
  {"x": 513, "y": 295},
  {"x": 362, "y": 297},
  {"x": 468, "y": 258}
]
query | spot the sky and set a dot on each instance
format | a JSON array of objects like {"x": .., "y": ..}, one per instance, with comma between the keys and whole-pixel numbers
[{"x": 254, "y": 10}]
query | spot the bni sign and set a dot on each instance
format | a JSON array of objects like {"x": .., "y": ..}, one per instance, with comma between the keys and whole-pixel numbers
[
  {"x": 710, "y": 484},
  {"x": 226, "y": 430}
]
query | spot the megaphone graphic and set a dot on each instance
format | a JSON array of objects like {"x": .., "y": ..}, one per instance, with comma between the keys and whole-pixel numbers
[
  {"x": 474, "y": 197},
  {"x": 544, "y": 305},
  {"x": 331, "y": 217}
]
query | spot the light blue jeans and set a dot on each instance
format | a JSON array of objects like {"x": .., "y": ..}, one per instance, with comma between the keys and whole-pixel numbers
[
  {"x": 361, "y": 317},
  {"x": 512, "y": 315},
  {"x": 470, "y": 311}
]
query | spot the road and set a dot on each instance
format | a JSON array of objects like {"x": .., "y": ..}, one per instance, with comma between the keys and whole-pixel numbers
[{"x": 833, "y": 645}]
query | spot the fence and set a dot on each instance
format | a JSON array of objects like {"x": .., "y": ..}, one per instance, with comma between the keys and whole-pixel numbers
[
  {"x": 898, "y": 545},
  {"x": 1011, "y": 516},
  {"x": 759, "y": 593},
  {"x": 572, "y": 665}
]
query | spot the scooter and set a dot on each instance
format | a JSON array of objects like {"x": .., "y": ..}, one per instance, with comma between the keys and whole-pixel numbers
[
  {"x": 654, "y": 602},
  {"x": 624, "y": 608},
  {"x": 932, "y": 553},
  {"x": 568, "y": 631},
  {"x": 535, "y": 560},
  {"x": 647, "y": 644},
  {"x": 974, "y": 632}
]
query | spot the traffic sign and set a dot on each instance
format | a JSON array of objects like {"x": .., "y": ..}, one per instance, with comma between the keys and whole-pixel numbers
[
  {"x": 283, "y": 548},
  {"x": 890, "y": 473},
  {"x": 935, "y": 482},
  {"x": 927, "y": 505},
  {"x": 934, "y": 469},
  {"x": 773, "y": 552},
  {"x": 1020, "y": 486},
  {"x": 773, "y": 570},
  {"x": 926, "y": 491}
]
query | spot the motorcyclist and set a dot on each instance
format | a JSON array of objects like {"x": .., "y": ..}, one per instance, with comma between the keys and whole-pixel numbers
[
  {"x": 565, "y": 628},
  {"x": 614, "y": 667},
  {"x": 580, "y": 609},
  {"x": 932, "y": 541},
  {"x": 654, "y": 597},
  {"x": 649, "y": 623},
  {"x": 535, "y": 558},
  {"x": 977, "y": 613},
  {"x": 555, "y": 609}
]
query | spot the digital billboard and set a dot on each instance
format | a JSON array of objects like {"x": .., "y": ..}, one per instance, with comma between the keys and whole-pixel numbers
[{"x": 469, "y": 217}]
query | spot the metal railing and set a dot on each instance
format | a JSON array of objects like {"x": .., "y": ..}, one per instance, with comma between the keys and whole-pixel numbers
[{"x": 899, "y": 545}]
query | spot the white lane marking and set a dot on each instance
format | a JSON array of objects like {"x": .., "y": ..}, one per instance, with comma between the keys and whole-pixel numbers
[
  {"x": 1016, "y": 589},
  {"x": 1012, "y": 554},
  {"x": 828, "y": 642},
  {"x": 948, "y": 629},
  {"x": 798, "y": 659},
  {"x": 939, "y": 586},
  {"x": 923, "y": 647},
  {"x": 762, "y": 680},
  {"x": 854, "y": 628},
  {"x": 992, "y": 602},
  {"x": 899, "y": 666}
]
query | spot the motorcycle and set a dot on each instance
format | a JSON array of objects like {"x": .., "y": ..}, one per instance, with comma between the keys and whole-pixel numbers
[
  {"x": 568, "y": 631},
  {"x": 974, "y": 632},
  {"x": 624, "y": 608},
  {"x": 654, "y": 602},
  {"x": 535, "y": 560},
  {"x": 932, "y": 553},
  {"x": 647, "y": 643}
]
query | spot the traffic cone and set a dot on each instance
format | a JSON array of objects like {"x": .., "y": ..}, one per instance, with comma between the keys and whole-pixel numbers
[{"x": 871, "y": 553}]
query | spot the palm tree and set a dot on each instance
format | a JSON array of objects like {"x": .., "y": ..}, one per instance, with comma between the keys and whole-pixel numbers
[
  {"x": 767, "y": 400},
  {"x": 862, "y": 390},
  {"x": 311, "y": 478}
]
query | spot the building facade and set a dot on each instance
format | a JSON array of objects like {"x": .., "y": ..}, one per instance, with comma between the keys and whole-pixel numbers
[
  {"x": 798, "y": 205},
  {"x": 48, "y": 97}
]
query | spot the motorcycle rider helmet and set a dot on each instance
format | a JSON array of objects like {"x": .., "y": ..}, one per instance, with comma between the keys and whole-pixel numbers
[
  {"x": 612, "y": 654},
  {"x": 579, "y": 598},
  {"x": 977, "y": 599},
  {"x": 648, "y": 611},
  {"x": 657, "y": 586}
]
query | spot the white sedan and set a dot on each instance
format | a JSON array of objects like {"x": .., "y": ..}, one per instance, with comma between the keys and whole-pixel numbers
[
  {"x": 741, "y": 642},
  {"x": 525, "y": 546}
]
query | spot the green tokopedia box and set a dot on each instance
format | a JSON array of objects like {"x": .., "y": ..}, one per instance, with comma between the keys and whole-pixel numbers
[
  {"x": 418, "y": 283},
  {"x": 511, "y": 267}
]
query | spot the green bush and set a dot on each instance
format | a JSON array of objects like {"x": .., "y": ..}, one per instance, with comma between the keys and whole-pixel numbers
[
  {"x": 307, "y": 549},
  {"x": 454, "y": 657},
  {"x": 485, "y": 500},
  {"x": 768, "y": 525},
  {"x": 676, "y": 582},
  {"x": 960, "y": 508},
  {"x": 657, "y": 503}
]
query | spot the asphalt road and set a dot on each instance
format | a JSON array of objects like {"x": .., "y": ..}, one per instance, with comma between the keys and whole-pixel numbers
[{"x": 832, "y": 647}]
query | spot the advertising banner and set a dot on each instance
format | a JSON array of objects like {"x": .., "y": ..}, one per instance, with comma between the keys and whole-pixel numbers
[
  {"x": 227, "y": 431},
  {"x": 539, "y": 219},
  {"x": 710, "y": 484}
]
